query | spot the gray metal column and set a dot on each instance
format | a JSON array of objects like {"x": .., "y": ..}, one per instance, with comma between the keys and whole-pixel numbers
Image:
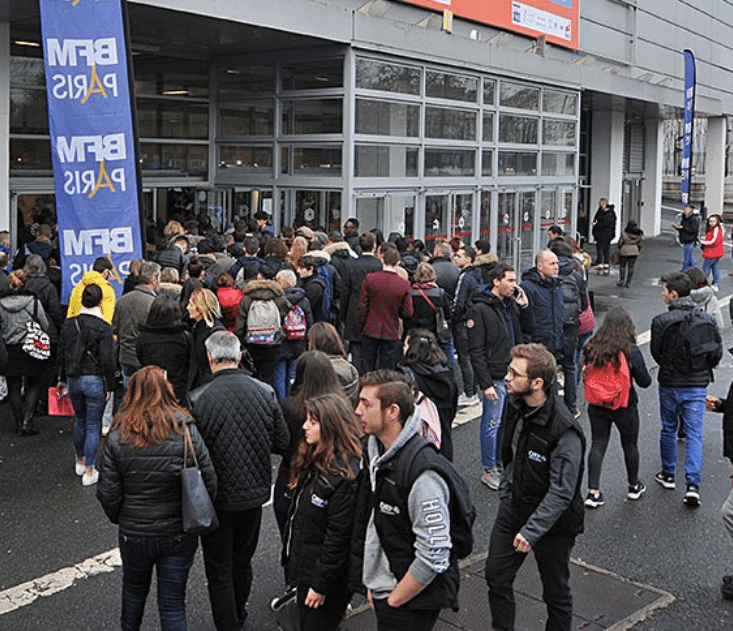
[
  {"x": 715, "y": 165},
  {"x": 651, "y": 187},
  {"x": 607, "y": 149}
]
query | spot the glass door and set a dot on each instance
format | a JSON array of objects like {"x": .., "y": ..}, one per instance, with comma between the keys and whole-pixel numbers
[
  {"x": 516, "y": 228},
  {"x": 555, "y": 209},
  {"x": 317, "y": 209},
  {"x": 390, "y": 211},
  {"x": 448, "y": 214}
]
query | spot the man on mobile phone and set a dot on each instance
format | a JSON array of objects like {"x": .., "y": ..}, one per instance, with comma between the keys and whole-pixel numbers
[{"x": 497, "y": 320}]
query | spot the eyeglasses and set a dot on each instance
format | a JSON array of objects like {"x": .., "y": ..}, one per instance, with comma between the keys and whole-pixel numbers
[{"x": 513, "y": 374}]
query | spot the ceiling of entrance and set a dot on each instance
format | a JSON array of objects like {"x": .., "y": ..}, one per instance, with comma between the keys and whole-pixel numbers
[{"x": 171, "y": 34}]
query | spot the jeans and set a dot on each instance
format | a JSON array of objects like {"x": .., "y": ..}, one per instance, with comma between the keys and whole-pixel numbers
[
  {"x": 552, "y": 554},
  {"x": 626, "y": 269},
  {"x": 491, "y": 413},
  {"x": 689, "y": 403},
  {"x": 449, "y": 348},
  {"x": 379, "y": 353},
  {"x": 711, "y": 264},
  {"x": 460, "y": 336},
  {"x": 127, "y": 371},
  {"x": 89, "y": 398},
  {"x": 602, "y": 420},
  {"x": 688, "y": 260},
  {"x": 402, "y": 619},
  {"x": 284, "y": 376},
  {"x": 172, "y": 557},
  {"x": 228, "y": 553}
]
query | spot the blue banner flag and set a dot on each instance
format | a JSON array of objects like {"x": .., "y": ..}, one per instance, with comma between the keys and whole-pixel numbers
[
  {"x": 689, "y": 119},
  {"x": 93, "y": 144}
]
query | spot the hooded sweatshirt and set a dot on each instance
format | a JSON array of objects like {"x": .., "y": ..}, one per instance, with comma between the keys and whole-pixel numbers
[{"x": 108, "y": 295}]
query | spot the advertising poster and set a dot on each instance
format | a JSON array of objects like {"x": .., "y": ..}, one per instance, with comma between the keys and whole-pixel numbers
[
  {"x": 557, "y": 20},
  {"x": 92, "y": 137},
  {"x": 689, "y": 120}
]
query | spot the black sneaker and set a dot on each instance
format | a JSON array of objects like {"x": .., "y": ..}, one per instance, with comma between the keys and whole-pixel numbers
[
  {"x": 726, "y": 589},
  {"x": 635, "y": 490},
  {"x": 692, "y": 496},
  {"x": 665, "y": 479},
  {"x": 594, "y": 500}
]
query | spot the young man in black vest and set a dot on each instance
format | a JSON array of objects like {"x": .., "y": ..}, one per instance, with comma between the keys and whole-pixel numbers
[
  {"x": 406, "y": 561},
  {"x": 541, "y": 507}
]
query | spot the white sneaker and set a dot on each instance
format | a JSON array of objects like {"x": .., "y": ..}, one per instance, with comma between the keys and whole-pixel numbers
[
  {"x": 491, "y": 478},
  {"x": 79, "y": 469},
  {"x": 715, "y": 288},
  {"x": 105, "y": 429},
  {"x": 90, "y": 479},
  {"x": 464, "y": 401}
]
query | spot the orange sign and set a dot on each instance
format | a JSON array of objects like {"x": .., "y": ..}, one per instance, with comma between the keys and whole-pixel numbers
[{"x": 557, "y": 20}]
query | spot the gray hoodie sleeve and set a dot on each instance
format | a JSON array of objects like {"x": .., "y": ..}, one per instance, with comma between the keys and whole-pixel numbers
[
  {"x": 429, "y": 508},
  {"x": 565, "y": 463}
]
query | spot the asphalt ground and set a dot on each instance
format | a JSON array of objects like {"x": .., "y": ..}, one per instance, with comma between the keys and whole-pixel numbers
[{"x": 58, "y": 569}]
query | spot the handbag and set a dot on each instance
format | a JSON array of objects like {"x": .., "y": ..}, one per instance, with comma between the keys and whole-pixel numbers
[
  {"x": 587, "y": 319},
  {"x": 36, "y": 342},
  {"x": 59, "y": 402},
  {"x": 285, "y": 609},
  {"x": 197, "y": 509},
  {"x": 441, "y": 326}
]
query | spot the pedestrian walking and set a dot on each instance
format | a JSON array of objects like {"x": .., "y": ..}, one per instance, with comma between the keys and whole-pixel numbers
[
  {"x": 614, "y": 346},
  {"x": 629, "y": 248},
  {"x": 688, "y": 228},
  {"x": 604, "y": 229},
  {"x": 713, "y": 249}
]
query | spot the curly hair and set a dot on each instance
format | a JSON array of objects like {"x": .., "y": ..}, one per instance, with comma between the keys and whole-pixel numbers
[{"x": 616, "y": 335}]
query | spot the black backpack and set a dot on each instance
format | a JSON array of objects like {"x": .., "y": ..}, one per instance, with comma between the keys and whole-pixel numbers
[
  {"x": 418, "y": 455},
  {"x": 691, "y": 343}
]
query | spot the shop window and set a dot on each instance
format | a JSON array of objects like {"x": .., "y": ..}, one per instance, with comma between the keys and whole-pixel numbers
[
  {"x": 518, "y": 129},
  {"x": 444, "y": 85},
  {"x": 246, "y": 159},
  {"x": 385, "y": 161},
  {"x": 312, "y": 116},
  {"x": 517, "y": 163},
  {"x": 558, "y": 164},
  {"x": 519, "y": 96},
  {"x": 488, "y": 131},
  {"x": 247, "y": 119},
  {"x": 173, "y": 77},
  {"x": 445, "y": 162},
  {"x": 451, "y": 124},
  {"x": 237, "y": 81},
  {"x": 378, "y": 75},
  {"x": 325, "y": 161},
  {"x": 560, "y": 102},
  {"x": 560, "y": 133},
  {"x": 172, "y": 118},
  {"x": 487, "y": 163},
  {"x": 313, "y": 75},
  {"x": 28, "y": 111},
  {"x": 387, "y": 119},
  {"x": 26, "y": 154}
]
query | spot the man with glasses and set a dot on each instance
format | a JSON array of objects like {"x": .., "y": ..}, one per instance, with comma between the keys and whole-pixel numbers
[{"x": 541, "y": 507}]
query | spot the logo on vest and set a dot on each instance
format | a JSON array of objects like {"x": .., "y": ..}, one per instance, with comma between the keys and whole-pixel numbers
[
  {"x": 388, "y": 509},
  {"x": 535, "y": 457},
  {"x": 318, "y": 501}
]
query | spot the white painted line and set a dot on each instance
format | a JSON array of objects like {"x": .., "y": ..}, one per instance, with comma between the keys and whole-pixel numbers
[{"x": 24, "y": 594}]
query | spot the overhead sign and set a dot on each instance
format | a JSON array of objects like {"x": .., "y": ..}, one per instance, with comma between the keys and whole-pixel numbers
[
  {"x": 557, "y": 20},
  {"x": 689, "y": 121},
  {"x": 93, "y": 145}
]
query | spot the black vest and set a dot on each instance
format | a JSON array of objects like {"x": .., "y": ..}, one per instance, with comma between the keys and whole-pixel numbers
[{"x": 531, "y": 475}]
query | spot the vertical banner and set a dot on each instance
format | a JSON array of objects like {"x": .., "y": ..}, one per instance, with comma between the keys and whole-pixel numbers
[
  {"x": 90, "y": 113},
  {"x": 689, "y": 119}
]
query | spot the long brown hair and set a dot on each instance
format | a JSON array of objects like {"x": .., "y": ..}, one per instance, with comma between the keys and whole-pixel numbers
[
  {"x": 339, "y": 438},
  {"x": 616, "y": 335},
  {"x": 150, "y": 412}
]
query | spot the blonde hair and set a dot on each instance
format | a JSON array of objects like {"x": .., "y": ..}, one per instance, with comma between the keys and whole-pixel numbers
[
  {"x": 207, "y": 304},
  {"x": 286, "y": 278},
  {"x": 173, "y": 229}
]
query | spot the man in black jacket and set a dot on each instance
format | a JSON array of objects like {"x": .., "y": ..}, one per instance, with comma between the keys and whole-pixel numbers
[
  {"x": 688, "y": 229},
  {"x": 241, "y": 423},
  {"x": 496, "y": 322},
  {"x": 540, "y": 507}
]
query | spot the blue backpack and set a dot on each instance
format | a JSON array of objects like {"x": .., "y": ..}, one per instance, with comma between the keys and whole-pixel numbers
[{"x": 324, "y": 274}]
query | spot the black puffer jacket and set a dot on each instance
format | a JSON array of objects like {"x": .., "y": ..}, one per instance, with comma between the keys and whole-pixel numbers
[
  {"x": 242, "y": 423},
  {"x": 319, "y": 531},
  {"x": 44, "y": 290},
  {"x": 140, "y": 489},
  {"x": 169, "y": 347},
  {"x": 82, "y": 333}
]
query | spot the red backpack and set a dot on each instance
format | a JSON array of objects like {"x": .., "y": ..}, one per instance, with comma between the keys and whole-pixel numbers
[{"x": 607, "y": 386}]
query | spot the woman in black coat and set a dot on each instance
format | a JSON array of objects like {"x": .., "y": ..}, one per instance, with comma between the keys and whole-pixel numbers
[
  {"x": 604, "y": 229},
  {"x": 320, "y": 523},
  {"x": 203, "y": 309},
  {"x": 164, "y": 340}
]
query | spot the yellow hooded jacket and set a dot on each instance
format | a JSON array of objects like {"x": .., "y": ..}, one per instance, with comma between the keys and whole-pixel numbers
[{"x": 108, "y": 296}]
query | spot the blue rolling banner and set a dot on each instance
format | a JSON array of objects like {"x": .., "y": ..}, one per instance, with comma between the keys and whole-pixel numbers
[
  {"x": 93, "y": 146},
  {"x": 688, "y": 124}
]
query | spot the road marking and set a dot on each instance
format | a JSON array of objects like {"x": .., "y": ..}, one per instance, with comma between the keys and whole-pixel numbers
[{"x": 24, "y": 594}]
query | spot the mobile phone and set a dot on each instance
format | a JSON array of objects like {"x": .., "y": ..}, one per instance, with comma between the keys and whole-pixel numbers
[{"x": 517, "y": 292}]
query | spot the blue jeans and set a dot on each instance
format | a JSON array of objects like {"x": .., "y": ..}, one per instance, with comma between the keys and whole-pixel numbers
[
  {"x": 89, "y": 398},
  {"x": 172, "y": 557},
  {"x": 449, "y": 348},
  {"x": 689, "y": 259},
  {"x": 711, "y": 264},
  {"x": 284, "y": 376},
  {"x": 460, "y": 338},
  {"x": 491, "y": 412},
  {"x": 379, "y": 353},
  {"x": 690, "y": 404}
]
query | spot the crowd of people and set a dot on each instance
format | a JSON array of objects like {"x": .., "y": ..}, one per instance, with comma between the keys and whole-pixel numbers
[{"x": 345, "y": 354}]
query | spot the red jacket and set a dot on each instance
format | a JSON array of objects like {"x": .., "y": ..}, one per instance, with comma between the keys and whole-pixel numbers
[
  {"x": 713, "y": 242},
  {"x": 384, "y": 299}
]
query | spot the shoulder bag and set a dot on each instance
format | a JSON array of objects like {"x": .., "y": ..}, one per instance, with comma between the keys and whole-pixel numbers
[
  {"x": 36, "y": 343},
  {"x": 197, "y": 509}
]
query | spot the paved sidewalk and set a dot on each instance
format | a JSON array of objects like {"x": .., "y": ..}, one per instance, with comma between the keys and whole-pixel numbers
[{"x": 600, "y": 601}]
